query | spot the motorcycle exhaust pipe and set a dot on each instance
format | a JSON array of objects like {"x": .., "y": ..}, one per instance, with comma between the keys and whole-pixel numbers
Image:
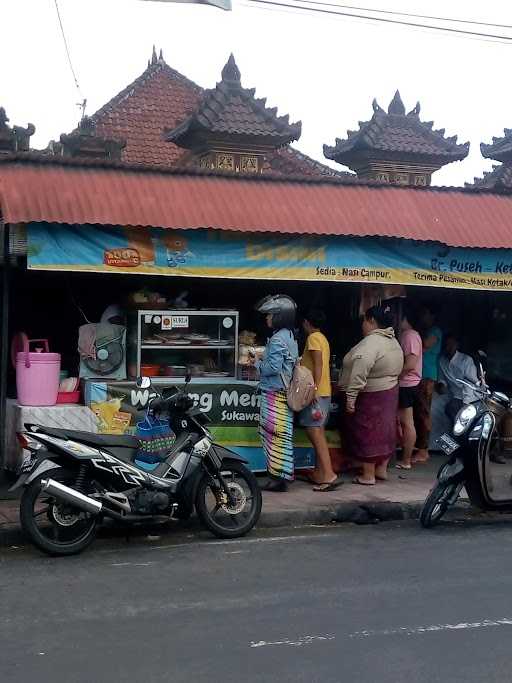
[{"x": 69, "y": 495}]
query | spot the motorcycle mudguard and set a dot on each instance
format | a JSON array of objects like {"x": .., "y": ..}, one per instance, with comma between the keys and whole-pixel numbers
[
  {"x": 189, "y": 490},
  {"x": 27, "y": 478},
  {"x": 225, "y": 454},
  {"x": 451, "y": 471}
]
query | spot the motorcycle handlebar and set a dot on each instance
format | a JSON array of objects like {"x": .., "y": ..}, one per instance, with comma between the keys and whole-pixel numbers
[
  {"x": 161, "y": 403},
  {"x": 480, "y": 389}
]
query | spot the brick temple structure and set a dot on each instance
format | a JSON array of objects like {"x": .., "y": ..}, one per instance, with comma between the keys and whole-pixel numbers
[{"x": 164, "y": 120}]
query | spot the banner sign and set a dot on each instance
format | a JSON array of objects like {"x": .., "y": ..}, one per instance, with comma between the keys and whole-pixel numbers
[
  {"x": 118, "y": 405},
  {"x": 233, "y": 410},
  {"x": 215, "y": 253}
]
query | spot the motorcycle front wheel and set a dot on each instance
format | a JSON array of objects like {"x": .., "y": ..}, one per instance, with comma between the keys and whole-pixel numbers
[
  {"x": 54, "y": 527},
  {"x": 234, "y": 517},
  {"x": 436, "y": 504}
]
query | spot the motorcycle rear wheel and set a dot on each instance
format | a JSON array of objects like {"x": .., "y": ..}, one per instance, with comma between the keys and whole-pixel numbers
[
  {"x": 226, "y": 520},
  {"x": 436, "y": 504},
  {"x": 55, "y": 528}
]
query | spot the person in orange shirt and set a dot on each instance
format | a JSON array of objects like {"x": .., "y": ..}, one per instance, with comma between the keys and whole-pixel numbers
[{"x": 313, "y": 418}]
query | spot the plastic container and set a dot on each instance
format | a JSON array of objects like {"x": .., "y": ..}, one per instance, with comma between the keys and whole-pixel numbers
[
  {"x": 37, "y": 374},
  {"x": 175, "y": 371},
  {"x": 150, "y": 370},
  {"x": 68, "y": 397}
]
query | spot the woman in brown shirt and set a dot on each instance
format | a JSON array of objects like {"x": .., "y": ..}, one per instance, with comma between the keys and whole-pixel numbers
[{"x": 369, "y": 381}]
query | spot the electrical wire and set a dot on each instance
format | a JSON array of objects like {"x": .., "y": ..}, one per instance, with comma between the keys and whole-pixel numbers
[
  {"x": 67, "y": 49},
  {"x": 408, "y": 14},
  {"x": 321, "y": 10},
  {"x": 303, "y": 10}
]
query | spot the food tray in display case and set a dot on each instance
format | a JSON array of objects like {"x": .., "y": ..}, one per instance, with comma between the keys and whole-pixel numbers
[{"x": 172, "y": 343}]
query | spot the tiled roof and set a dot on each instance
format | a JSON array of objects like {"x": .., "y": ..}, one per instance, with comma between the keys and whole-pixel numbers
[
  {"x": 288, "y": 161},
  {"x": 501, "y": 148},
  {"x": 231, "y": 111},
  {"x": 161, "y": 97},
  {"x": 395, "y": 133},
  {"x": 500, "y": 178}
]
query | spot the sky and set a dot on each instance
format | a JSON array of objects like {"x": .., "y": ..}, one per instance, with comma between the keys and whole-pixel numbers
[{"x": 320, "y": 69}]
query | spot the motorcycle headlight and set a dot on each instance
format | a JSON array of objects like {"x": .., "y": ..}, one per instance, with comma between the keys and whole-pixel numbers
[
  {"x": 464, "y": 418},
  {"x": 482, "y": 429}
]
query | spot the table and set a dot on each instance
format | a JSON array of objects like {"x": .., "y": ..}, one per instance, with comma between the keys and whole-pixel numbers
[{"x": 63, "y": 416}]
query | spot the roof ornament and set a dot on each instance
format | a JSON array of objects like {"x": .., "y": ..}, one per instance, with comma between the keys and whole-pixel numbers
[
  {"x": 87, "y": 125},
  {"x": 161, "y": 56},
  {"x": 154, "y": 58},
  {"x": 376, "y": 107},
  {"x": 15, "y": 139},
  {"x": 396, "y": 106},
  {"x": 231, "y": 72},
  {"x": 3, "y": 118},
  {"x": 397, "y": 147},
  {"x": 83, "y": 142},
  {"x": 232, "y": 114}
]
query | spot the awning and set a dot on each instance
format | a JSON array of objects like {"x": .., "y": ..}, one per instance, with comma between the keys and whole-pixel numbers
[{"x": 32, "y": 192}]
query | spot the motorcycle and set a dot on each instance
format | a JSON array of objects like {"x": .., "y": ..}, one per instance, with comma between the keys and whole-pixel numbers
[
  {"x": 73, "y": 480},
  {"x": 472, "y": 448}
]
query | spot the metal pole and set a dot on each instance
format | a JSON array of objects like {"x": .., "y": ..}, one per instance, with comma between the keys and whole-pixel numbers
[{"x": 4, "y": 343}]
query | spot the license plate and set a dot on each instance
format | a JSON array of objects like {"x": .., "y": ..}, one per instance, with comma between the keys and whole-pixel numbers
[{"x": 447, "y": 444}]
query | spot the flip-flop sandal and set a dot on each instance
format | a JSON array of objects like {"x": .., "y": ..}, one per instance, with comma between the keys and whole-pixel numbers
[
  {"x": 328, "y": 486},
  {"x": 357, "y": 480},
  {"x": 381, "y": 478},
  {"x": 400, "y": 466}
]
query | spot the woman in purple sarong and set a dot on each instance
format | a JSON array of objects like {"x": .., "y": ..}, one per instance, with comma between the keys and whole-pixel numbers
[{"x": 369, "y": 381}]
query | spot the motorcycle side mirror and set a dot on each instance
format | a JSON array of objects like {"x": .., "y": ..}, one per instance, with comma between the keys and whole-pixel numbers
[
  {"x": 481, "y": 353},
  {"x": 143, "y": 382}
]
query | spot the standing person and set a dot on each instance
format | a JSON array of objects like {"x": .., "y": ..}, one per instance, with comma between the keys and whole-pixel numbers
[
  {"x": 422, "y": 409},
  {"x": 412, "y": 347},
  {"x": 316, "y": 358},
  {"x": 455, "y": 366},
  {"x": 275, "y": 369},
  {"x": 369, "y": 380}
]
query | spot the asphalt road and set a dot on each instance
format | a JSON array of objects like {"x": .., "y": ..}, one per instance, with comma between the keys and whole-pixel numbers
[{"x": 386, "y": 604}]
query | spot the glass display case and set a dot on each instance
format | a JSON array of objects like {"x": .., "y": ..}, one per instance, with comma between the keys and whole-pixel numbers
[{"x": 202, "y": 342}]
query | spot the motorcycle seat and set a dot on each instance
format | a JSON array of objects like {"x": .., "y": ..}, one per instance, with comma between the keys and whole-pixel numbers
[{"x": 90, "y": 439}]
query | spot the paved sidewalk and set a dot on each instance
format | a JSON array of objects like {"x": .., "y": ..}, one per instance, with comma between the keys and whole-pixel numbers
[{"x": 398, "y": 498}]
